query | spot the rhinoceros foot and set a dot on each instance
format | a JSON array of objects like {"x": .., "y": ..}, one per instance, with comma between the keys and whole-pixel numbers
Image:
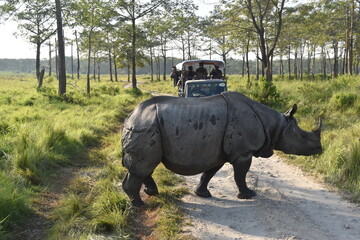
[
  {"x": 203, "y": 193},
  {"x": 137, "y": 203},
  {"x": 151, "y": 191},
  {"x": 246, "y": 194}
]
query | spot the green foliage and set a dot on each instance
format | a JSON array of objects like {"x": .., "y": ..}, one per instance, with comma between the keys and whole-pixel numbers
[
  {"x": 4, "y": 128},
  {"x": 170, "y": 217},
  {"x": 170, "y": 221},
  {"x": 314, "y": 92},
  {"x": 14, "y": 203},
  {"x": 344, "y": 100},
  {"x": 160, "y": 86},
  {"x": 40, "y": 132},
  {"x": 265, "y": 92}
]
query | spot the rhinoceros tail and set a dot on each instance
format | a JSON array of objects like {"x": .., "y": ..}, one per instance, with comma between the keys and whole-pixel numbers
[{"x": 122, "y": 158}]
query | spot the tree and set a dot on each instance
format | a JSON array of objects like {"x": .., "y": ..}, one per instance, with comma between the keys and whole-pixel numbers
[
  {"x": 217, "y": 29},
  {"x": 266, "y": 17},
  {"x": 151, "y": 42},
  {"x": 61, "y": 49},
  {"x": 131, "y": 11},
  {"x": 186, "y": 27},
  {"x": 89, "y": 15},
  {"x": 35, "y": 19}
]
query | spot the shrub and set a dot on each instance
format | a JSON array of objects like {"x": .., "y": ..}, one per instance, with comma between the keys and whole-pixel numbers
[
  {"x": 344, "y": 100},
  {"x": 314, "y": 92},
  {"x": 265, "y": 92},
  {"x": 4, "y": 128},
  {"x": 109, "y": 90}
]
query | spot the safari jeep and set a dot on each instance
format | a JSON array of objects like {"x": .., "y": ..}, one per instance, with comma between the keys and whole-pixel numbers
[{"x": 193, "y": 85}]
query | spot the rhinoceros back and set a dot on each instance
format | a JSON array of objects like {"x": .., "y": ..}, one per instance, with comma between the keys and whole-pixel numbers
[{"x": 192, "y": 131}]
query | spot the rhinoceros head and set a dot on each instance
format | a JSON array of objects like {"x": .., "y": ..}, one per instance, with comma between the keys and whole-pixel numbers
[{"x": 294, "y": 140}]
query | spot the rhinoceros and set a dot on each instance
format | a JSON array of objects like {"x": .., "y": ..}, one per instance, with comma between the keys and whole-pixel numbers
[{"x": 191, "y": 136}]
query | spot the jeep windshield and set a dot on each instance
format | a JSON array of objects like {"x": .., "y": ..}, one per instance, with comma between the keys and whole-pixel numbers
[{"x": 204, "y": 88}]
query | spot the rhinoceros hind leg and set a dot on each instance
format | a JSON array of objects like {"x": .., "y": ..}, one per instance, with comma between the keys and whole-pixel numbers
[
  {"x": 202, "y": 190},
  {"x": 150, "y": 186},
  {"x": 131, "y": 186}
]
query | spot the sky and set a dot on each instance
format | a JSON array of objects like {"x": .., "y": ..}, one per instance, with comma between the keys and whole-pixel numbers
[{"x": 18, "y": 47}]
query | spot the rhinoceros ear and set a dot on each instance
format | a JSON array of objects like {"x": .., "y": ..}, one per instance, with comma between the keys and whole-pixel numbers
[{"x": 291, "y": 112}]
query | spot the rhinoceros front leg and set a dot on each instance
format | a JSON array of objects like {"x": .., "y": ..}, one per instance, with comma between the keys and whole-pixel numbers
[
  {"x": 202, "y": 190},
  {"x": 131, "y": 186},
  {"x": 241, "y": 167}
]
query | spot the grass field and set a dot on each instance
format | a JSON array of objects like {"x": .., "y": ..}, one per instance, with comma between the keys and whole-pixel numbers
[{"x": 41, "y": 133}]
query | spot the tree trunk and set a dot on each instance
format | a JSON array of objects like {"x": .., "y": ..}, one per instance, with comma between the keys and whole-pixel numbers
[
  {"x": 189, "y": 46},
  {"x": 289, "y": 62},
  {"x": 50, "y": 67},
  {"x": 313, "y": 62},
  {"x": 243, "y": 65},
  {"x": 37, "y": 61},
  {"x": 128, "y": 72},
  {"x": 247, "y": 63},
  {"x": 98, "y": 67},
  {"x": 72, "y": 60},
  {"x": 296, "y": 64},
  {"x": 133, "y": 52},
  {"x": 41, "y": 77},
  {"x": 89, "y": 63},
  {"x": 163, "y": 49},
  {"x": 62, "y": 69},
  {"x": 281, "y": 66},
  {"x": 183, "y": 49},
  {"x": 110, "y": 66},
  {"x": 309, "y": 61},
  {"x": 336, "y": 59},
  {"x": 94, "y": 67},
  {"x": 323, "y": 55},
  {"x": 78, "y": 56},
  {"x": 301, "y": 61},
  {"x": 151, "y": 64},
  {"x": 115, "y": 68},
  {"x": 56, "y": 59}
]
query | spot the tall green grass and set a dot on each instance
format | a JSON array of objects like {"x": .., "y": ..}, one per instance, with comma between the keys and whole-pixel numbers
[{"x": 40, "y": 132}]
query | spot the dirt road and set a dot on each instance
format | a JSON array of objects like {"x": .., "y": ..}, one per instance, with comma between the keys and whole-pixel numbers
[{"x": 289, "y": 205}]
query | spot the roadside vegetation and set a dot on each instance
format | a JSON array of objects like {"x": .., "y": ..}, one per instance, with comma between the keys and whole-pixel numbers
[{"x": 41, "y": 134}]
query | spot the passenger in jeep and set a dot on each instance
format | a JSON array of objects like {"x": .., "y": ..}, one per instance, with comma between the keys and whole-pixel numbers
[
  {"x": 201, "y": 72},
  {"x": 215, "y": 73},
  {"x": 191, "y": 74}
]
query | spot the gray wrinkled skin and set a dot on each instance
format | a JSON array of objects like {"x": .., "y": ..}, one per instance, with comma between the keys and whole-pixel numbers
[{"x": 192, "y": 136}]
